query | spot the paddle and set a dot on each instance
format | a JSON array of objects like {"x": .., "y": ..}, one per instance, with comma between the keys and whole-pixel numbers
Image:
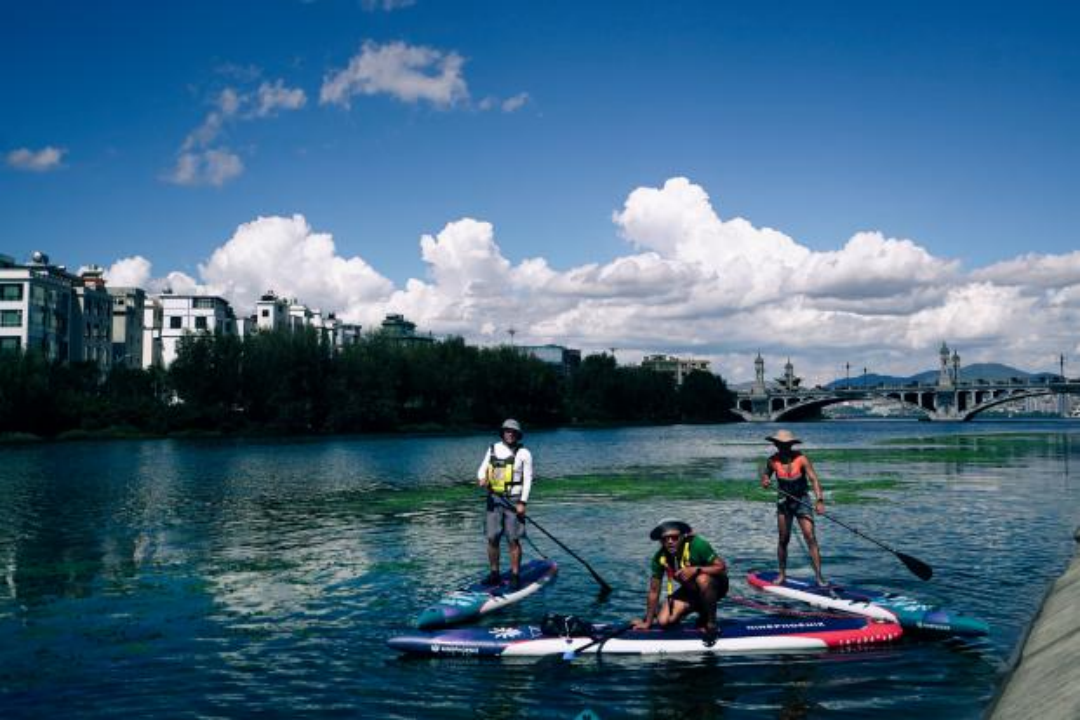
[
  {"x": 604, "y": 587},
  {"x": 620, "y": 630},
  {"x": 915, "y": 565}
]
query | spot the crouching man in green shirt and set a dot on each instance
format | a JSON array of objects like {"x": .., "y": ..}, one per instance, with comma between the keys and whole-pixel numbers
[{"x": 702, "y": 576}]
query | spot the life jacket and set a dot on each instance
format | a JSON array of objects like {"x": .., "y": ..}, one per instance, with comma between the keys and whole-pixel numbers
[
  {"x": 682, "y": 559},
  {"x": 500, "y": 472},
  {"x": 792, "y": 475}
]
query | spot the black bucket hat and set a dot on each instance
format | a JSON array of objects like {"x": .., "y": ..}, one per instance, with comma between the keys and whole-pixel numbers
[{"x": 666, "y": 525}]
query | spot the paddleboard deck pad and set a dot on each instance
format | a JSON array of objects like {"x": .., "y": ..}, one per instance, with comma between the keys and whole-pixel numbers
[
  {"x": 910, "y": 613},
  {"x": 475, "y": 599},
  {"x": 736, "y": 636}
]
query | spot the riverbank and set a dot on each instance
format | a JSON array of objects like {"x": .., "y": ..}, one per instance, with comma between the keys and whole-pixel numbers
[{"x": 1045, "y": 682}]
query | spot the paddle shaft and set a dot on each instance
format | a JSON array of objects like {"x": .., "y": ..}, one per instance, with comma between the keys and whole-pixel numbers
[
  {"x": 916, "y": 566},
  {"x": 596, "y": 576},
  {"x": 571, "y": 654}
]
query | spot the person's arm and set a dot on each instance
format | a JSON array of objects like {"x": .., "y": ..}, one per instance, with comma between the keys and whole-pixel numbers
[
  {"x": 714, "y": 566},
  {"x": 526, "y": 480},
  {"x": 766, "y": 472},
  {"x": 819, "y": 504},
  {"x": 481, "y": 474},
  {"x": 650, "y": 606}
]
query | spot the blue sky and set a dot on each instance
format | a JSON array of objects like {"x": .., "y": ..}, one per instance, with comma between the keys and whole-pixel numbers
[{"x": 952, "y": 127}]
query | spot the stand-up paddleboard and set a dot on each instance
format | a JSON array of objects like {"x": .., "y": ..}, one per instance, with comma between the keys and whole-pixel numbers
[
  {"x": 476, "y": 599},
  {"x": 764, "y": 634},
  {"x": 909, "y": 612}
]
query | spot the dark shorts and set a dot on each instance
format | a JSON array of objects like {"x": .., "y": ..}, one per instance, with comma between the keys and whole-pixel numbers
[
  {"x": 794, "y": 509},
  {"x": 500, "y": 521},
  {"x": 688, "y": 593}
]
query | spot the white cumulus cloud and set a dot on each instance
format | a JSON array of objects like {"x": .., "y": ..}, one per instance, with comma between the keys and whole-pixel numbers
[
  {"x": 287, "y": 256},
  {"x": 1044, "y": 271},
  {"x": 690, "y": 283},
  {"x": 43, "y": 160},
  {"x": 129, "y": 272},
  {"x": 410, "y": 73}
]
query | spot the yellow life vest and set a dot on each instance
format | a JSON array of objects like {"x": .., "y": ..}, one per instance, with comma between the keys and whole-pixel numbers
[
  {"x": 680, "y": 562},
  {"x": 500, "y": 472}
]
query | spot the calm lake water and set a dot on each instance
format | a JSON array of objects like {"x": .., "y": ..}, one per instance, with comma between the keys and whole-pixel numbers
[{"x": 227, "y": 578}]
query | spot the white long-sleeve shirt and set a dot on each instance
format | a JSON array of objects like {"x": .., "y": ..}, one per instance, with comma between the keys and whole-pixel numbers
[{"x": 523, "y": 469}]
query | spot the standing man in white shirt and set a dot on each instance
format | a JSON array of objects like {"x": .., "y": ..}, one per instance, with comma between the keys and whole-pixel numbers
[{"x": 506, "y": 472}]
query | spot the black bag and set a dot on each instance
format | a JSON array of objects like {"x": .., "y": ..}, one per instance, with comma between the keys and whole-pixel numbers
[{"x": 555, "y": 625}]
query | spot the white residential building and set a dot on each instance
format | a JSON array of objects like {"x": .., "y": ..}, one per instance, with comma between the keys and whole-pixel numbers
[
  {"x": 277, "y": 313},
  {"x": 35, "y": 307},
  {"x": 182, "y": 315},
  {"x": 272, "y": 312}
]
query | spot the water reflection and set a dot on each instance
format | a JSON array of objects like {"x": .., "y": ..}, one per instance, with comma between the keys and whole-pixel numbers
[{"x": 233, "y": 577}]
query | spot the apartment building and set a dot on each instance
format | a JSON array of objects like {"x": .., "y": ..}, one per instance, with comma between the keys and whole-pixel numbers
[
  {"x": 676, "y": 366},
  {"x": 181, "y": 315},
  {"x": 91, "y": 320},
  {"x": 566, "y": 359},
  {"x": 128, "y": 309},
  {"x": 35, "y": 307}
]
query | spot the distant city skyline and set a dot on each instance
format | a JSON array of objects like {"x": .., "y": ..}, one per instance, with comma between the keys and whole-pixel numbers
[{"x": 840, "y": 183}]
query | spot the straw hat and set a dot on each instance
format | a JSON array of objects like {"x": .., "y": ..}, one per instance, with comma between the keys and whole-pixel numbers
[{"x": 783, "y": 437}]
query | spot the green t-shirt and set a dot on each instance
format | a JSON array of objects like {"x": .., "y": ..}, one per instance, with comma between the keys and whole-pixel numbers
[{"x": 701, "y": 553}]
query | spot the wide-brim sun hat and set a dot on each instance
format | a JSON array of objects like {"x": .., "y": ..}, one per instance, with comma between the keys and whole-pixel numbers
[
  {"x": 783, "y": 437},
  {"x": 512, "y": 425},
  {"x": 667, "y": 525}
]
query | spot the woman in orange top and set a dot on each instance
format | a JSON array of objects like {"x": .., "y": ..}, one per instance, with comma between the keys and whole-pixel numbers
[{"x": 794, "y": 474}]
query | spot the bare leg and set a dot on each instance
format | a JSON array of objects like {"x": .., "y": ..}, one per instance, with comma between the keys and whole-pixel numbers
[
  {"x": 784, "y": 529},
  {"x": 671, "y": 612},
  {"x": 515, "y": 556},
  {"x": 493, "y": 555},
  {"x": 708, "y": 588},
  {"x": 812, "y": 545}
]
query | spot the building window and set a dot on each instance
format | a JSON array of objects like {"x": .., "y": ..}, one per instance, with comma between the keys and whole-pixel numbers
[
  {"x": 265, "y": 312},
  {"x": 200, "y": 323},
  {"x": 176, "y": 322},
  {"x": 11, "y": 291},
  {"x": 203, "y": 303},
  {"x": 10, "y": 318},
  {"x": 10, "y": 344}
]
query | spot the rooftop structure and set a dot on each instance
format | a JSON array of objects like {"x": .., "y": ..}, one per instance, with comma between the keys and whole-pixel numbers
[
  {"x": 567, "y": 359},
  {"x": 676, "y": 366}
]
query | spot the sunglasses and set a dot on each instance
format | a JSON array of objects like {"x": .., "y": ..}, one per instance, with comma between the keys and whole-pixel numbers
[{"x": 674, "y": 537}]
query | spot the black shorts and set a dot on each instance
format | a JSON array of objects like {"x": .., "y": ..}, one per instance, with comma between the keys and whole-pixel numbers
[
  {"x": 688, "y": 592},
  {"x": 792, "y": 508}
]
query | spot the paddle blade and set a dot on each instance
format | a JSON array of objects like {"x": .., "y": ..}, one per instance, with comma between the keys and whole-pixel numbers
[{"x": 917, "y": 566}]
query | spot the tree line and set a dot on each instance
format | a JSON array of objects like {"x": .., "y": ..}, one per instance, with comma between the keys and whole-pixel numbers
[{"x": 293, "y": 383}]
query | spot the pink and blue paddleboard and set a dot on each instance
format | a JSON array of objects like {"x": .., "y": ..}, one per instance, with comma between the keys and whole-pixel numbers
[
  {"x": 767, "y": 634},
  {"x": 910, "y": 613}
]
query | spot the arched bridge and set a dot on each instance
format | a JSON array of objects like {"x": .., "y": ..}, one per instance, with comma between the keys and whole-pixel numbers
[{"x": 956, "y": 402}]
